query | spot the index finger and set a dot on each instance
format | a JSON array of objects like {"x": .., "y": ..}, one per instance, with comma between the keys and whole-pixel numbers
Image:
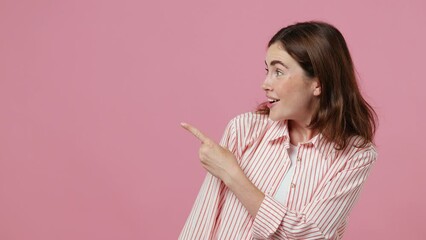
[{"x": 197, "y": 133}]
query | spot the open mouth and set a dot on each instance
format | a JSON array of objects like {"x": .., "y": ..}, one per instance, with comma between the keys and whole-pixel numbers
[{"x": 270, "y": 100}]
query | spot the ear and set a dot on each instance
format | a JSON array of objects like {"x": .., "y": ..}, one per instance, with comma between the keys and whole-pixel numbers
[{"x": 316, "y": 86}]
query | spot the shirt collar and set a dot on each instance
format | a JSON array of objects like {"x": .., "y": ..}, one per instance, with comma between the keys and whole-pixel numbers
[{"x": 279, "y": 129}]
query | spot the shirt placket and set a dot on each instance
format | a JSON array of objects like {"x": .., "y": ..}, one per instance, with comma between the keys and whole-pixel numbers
[{"x": 296, "y": 180}]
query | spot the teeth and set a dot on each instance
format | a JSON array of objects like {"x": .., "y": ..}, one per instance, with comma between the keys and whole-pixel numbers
[{"x": 272, "y": 100}]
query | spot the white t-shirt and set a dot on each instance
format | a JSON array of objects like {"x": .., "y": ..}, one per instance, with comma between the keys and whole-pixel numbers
[{"x": 281, "y": 195}]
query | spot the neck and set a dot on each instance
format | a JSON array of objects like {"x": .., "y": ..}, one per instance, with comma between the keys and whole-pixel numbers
[{"x": 299, "y": 132}]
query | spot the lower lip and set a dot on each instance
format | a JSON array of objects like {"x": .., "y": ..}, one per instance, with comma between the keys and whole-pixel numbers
[{"x": 270, "y": 105}]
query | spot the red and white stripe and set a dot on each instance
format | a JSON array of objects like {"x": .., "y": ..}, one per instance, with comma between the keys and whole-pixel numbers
[{"x": 325, "y": 186}]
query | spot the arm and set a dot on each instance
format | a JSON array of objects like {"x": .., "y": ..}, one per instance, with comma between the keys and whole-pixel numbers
[
  {"x": 201, "y": 220},
  {"x": 320, "y": 218}
]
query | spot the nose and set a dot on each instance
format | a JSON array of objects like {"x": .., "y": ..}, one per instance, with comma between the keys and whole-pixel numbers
[{"x": 266, "y": 85}]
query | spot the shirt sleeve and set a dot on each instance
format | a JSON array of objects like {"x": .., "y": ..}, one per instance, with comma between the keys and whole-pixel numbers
[
  {"x": 320, "y": 218},
  {"x": 200, "y": 223}
]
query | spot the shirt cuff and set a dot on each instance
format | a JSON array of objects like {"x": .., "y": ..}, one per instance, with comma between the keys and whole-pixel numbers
[{"x": 268, "y": 218}]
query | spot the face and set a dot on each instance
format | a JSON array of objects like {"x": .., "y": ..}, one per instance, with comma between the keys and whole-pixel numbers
[{"x": 291, "y": 94}]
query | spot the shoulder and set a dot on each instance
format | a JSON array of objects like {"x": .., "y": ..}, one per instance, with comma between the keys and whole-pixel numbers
[
  {"x": 355, "y": 145},
  {"x": 249, "y": 120},
  {"x": 357, "y": 155},
  {"x": 247, "y": 126}
]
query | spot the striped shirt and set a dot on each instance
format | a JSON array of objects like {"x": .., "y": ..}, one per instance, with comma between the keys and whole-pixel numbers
[{"x": 324, "y": 188}]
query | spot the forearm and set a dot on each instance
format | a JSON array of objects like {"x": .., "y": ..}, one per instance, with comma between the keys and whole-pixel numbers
[{"x": 246, "y": 192}]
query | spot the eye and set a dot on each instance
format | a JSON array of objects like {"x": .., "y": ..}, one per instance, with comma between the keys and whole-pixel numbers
[
  {"x": 266, "y": 70},
  {"x": 278, "y": 72}
]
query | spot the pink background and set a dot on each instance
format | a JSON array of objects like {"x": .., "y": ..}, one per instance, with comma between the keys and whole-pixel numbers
[{"x": 92, "y": 93}]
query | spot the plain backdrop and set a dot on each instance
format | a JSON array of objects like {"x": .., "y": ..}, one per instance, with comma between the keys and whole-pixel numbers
[{"x": 92, "y": 93}]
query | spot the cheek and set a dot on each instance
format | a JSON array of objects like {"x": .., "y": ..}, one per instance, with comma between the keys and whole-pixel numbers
[
  {"x": 283, "y": 89},
  {"x": 287, "y": 91}
]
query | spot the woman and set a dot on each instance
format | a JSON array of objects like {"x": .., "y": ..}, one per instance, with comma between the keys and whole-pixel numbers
[{"x": 294, "y": 168}]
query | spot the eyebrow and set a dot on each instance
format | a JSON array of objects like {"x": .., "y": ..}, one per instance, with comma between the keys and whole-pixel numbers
[{"x": 274, "y": 62}]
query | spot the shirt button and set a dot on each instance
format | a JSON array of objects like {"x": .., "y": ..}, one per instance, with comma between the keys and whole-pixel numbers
[
  {"x": 293, "y": 185},
  {"x": 299, "y": 159}
]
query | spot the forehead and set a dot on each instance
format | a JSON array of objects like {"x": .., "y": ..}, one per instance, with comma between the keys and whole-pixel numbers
[{"x": 277, "y": 52}]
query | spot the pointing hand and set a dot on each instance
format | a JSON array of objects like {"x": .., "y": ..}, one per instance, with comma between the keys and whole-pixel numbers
[{"x": 220, "y": 162}]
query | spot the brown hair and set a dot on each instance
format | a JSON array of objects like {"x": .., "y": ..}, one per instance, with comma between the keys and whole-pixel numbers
[{"x": 321, "y": 50}]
